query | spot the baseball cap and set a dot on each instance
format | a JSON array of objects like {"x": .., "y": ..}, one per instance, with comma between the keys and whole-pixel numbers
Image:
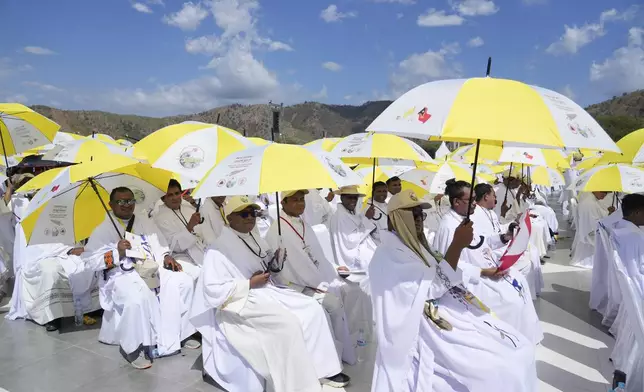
[
  {"x": 406, "y": 199},
  {"x": 286, "y": 194},
  {"x": 238, "y": 203}
]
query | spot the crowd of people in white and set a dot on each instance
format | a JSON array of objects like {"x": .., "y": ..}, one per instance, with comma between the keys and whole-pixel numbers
[{"x": 279, "y": 300}]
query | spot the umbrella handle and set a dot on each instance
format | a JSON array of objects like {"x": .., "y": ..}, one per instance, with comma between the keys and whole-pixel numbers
[{"x": 481, "y": 240}]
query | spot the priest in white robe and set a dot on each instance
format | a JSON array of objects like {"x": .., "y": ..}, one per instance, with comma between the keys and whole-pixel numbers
[
  {"x": 589, "y": 212},
  {"x": 137, "y": 317},
  {"x": 506, "y": 196},
  {"x": 394, "y": 186},
  {"x": 307, "y": 270},
  {"x": 379, "y": 203},
  {"x": 629, "y": 237},
  {"x": 506, "y": 293},
  {"x": 281, "y": 338},
  {"x": 354, "y": 239},
  {"x": 434, "y": 335},
  {"x": 46, "y": 286},
  {"x": 213, "y": 213},
  {"x": 318, "y": 207},
  {"x": 183, "y": 228}
]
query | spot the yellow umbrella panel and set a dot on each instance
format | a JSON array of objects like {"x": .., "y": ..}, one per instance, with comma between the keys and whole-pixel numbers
[{"x": 22, "y": 129}]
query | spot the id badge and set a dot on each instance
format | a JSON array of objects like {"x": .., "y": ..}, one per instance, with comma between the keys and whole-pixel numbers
[{"x": 307, "y": 249}]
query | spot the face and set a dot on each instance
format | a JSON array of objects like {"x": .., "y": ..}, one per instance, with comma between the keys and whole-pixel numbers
[
  {"x": 461, "y": 204},
  {"x": 600, "y": 195},
  {"x": 123, "y": 204},
  {"x": 419, "y": 218},
  {"x": 294, "y": 205},
  {"x": 219, "y": 200},
  {"x": 349, "y": 201},
  {"x": 489, "y": 200},
  {"x": 394, "y": 187},
  {"x": 172, "y": 198},
  {"x": 380, "y": 194},
  {"x": 243, "y": 221}
]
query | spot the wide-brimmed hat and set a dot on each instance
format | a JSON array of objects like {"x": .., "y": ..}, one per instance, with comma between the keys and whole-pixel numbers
[
  {"x": 349, "y": 190},
  {"x": 406, "y": 199}
]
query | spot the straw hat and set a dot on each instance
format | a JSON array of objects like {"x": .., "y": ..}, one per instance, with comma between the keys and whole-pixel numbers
[
  {"x": 349, "y": 190},
  {"x": 404, "y": 200}
]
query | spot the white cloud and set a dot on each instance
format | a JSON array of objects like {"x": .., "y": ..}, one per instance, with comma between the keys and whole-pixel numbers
[
  {"x": 575, "y": 38},
  {"x": 156, "y": 2},
  {"x": 38, "y": 50},
  {"x": 234, "y": 74},
  {"x": 331, "y": 66},
  {"x": 188, "y": 18},
  {"x": 475, "y": 42},
  {"x": 425, "y": 67},
  {"x": 535, "y": 2},
  {"x": 474, "y": 7},
  {"x": 399, "y": 15},
  {"x": 348, "y": 97},
  {"x": 322, "y": 94},
  {"x": 405, "y": 2},
  {"x": 142, "y": 8},
  {"x": 20, "y": 98},
  {"x": 331, "y": 14},
  {"x": 435, "y": 18},
  {"x": 624, "y": 70},
  {"x": 43, "y": 86},
  {"x": 9, "y": 68},
  {"x": 567, "y": 91}
]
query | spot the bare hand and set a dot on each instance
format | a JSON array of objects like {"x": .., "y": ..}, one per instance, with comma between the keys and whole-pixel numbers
[
  {"x": 330, "y": 196},
  {"x": 259, "y": 279},
  {"x": 463, "y": 235},
  {"x": 504, "y": 209},
  {"x": 611, "y": 209},
  {"x": 122, "y": 246},
  {"x": 195, "y": 219},
  {"x": 76, "y": 251},
  {"x": 343, "y": 269},
  {"x": 438, "y": 198},
  {"x": 370, "y": 212},
  {"x": 493, "y": 273},
  {"x": 171, "y": 264}
]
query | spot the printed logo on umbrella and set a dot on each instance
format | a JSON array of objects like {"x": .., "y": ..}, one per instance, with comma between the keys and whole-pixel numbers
[
  {"x": 530, "y": 157},
  {"x": 191, "y": 157},
  {"x": 55, "y": 188}
]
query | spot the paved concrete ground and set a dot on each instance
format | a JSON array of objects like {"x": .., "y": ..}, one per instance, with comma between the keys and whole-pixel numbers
[{"x": 573, "y": 356}]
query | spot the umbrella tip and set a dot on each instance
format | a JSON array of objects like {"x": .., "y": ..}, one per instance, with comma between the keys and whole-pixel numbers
[{"x": 489, "y": 66}]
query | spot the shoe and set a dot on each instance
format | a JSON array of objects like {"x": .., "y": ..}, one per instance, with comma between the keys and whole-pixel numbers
[
  {"x": 51, "y": 327},
  {"x": 142, "y": 362},
  {"x": 543, "y": 262},
  {"x": 340, "y": 380},
  {"x": 192, "y": 344},
  {"x": 87, "y": 320}
]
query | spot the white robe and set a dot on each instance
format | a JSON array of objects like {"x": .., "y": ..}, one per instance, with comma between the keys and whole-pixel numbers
[
  {"x": 507, "y": 297},
  {"x": 414, "y": 355},
  {"x": 500, "y": 191},
  {"x": 589, "y": 212},
  {"x": 353, "y": 244},
  {"x": 187, "y": 248},
  {"x": 46, "y": 285},
  {"x": 213, "y": 216},
  {"x": 318, "y": 211},
  {"x": 134, "y": 315},
  {"x": 380, "y": 214},
  {"x": 283, "y": 335},
  {"x": 305, "y": 269},
  {"x": 600, "y": 290},
  {"x": 629, "y": 241}
]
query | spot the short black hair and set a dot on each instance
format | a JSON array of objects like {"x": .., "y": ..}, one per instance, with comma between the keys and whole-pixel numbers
[
  {"x": 377, "y": 184},
  {"x": 480, "y": 190},
  {"x": 454, "y": 189},
  {"x": 632, "y": 203},
  {"x": 120, "y": 189},
  {"x": 392, "y": 179},
  {"x": 174, "y": 184}
]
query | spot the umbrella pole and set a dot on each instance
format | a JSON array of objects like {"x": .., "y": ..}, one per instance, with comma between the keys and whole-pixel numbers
[
  {"x": 507, "y": 186},
  {"x": 92, "y": 183},
  {"x": 476, "y": 158},
  {"x": 373, "y": 179},
  {"x": 4, "y": 150},
  {"x": 277, "y": 196}
]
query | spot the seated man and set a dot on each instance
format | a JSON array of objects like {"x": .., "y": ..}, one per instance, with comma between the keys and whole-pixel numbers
[
  {"x": 354, "y": 240},
  {"x": 629, "y": 237},
  {"x": 284, "y": 337},
  {"x": 45, "y": 293},
  {"x": 379, "y": 205},
  {"x": 306, "y": 269},
  {"x": 394, "y": 186},
  {"x": 433, "y": 334},
  {"x": 134, "y": 318},
  {"x": 213, "y": 213},
  {"x": 181, "y": 225}
]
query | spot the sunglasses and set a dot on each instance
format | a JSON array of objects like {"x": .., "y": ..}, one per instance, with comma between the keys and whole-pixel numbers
[
  {"x": 247, "y": 214},
  {"x": 125, "y": 202}
]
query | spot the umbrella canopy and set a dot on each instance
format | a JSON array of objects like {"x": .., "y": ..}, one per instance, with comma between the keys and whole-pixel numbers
[
  {"x": 324, "y": 144},
  {"x": 274, "y": 167},
  {"x": 258, "y": 141},
  {"x": 612, "y": 178},
  {"x": 523, "y": 155},
  {"x": 632, "y": 146},
  {"x": 190, "y": 148},
  {"x": 84, "y": 150},
  {"x": 492, "y": 109},
  {"x": 432, "y": 178},
  {"x": 363, "y": 147},
  {"x": 22, "y": 129}
]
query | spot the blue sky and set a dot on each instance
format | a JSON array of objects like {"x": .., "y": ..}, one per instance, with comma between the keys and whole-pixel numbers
[{"x": 161, "y": 57}]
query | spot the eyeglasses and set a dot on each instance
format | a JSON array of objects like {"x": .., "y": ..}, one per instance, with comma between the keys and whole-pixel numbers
[
  {"x": 247, "y": 214},
  {"x": 125, "y": 202},
  {"x": 422, "y": 215}
]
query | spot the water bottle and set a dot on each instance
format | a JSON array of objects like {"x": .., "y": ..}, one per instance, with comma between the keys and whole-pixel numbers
[
  {"x": 361, "y": 346},
  {"x": 78, "y": 312},
  {"x": 621, "y": 387}
]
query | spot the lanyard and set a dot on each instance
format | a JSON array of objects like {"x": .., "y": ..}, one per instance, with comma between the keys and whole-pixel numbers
[
  {"x": 488, "y": 213},
  {"x": 296, "y": 232},
  {"x": 258, "y": 254},
  {"x": 182, "y": 218}
]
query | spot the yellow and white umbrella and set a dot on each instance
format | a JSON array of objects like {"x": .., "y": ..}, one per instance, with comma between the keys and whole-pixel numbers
[
  {"x": 102, "y": 138},
  {"x": 432, "y": 178},
  {"x": 73, "y": 201},
  {"x": 611, "y": 178},
  {"x": 364, "y": 147},
  {"x": 491, "y": 109},
  {"x": 258, "y": 141},
  {"x": 274, "y": 167},
  {"x": 383, "y": 173},
  {"x": 555, "y": 158},
  {"x": 22, "y": 129},
  {"x": 190, "y": 148},
  {"x": 84, "y": 150},
  {"x": 539, "y": 175},
  {"x": 325, "y": 144},
  {"x": 632, "y": 146}
]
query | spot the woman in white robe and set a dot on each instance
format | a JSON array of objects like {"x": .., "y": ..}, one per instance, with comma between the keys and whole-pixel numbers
[
  {"x": 135, "y": 318},
  {"x": 433, "y": 335},
  {"x": 307, "y": 270},
  {"x": 589, "y": 212},
  {"x": 283, "y": 335},
  {"x": 505, "y": 293}
]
